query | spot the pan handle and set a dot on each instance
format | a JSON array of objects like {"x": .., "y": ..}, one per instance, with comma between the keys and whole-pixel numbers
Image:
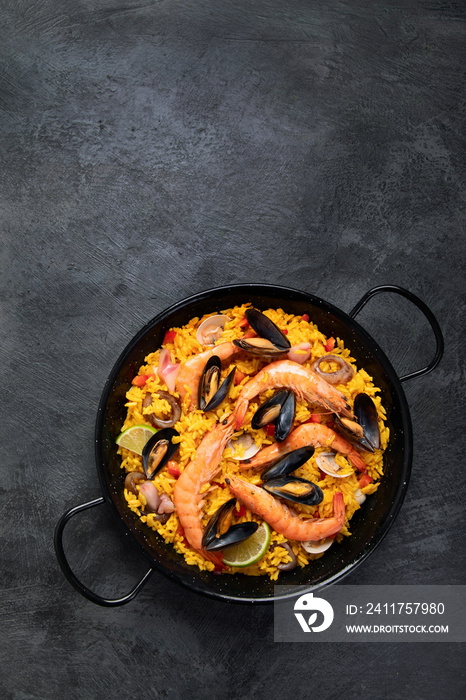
[
  {"x": 422, "y": 307},
  {"x": 80, "y": 587}
]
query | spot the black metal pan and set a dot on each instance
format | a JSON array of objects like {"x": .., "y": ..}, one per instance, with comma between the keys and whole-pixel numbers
[{"x": 369, "y": 525}]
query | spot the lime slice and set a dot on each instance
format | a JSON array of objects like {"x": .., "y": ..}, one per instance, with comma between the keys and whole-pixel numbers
[
  {"x": 251, "y": 550},
  {"x": 135, "y": 438}
]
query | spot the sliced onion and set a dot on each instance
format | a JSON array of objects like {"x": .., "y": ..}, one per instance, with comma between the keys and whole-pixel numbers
[
  {"x": 151, "y": 495},
  {"x": 167, "y": 371},
  {"x": 245, "y": 441},
  {"x": 318, "y": 546},
  {"x": 341, "y": 375},
  {"x": 360, "y": 496},
  {"x": 300, "y": 353},
  {"x": 174, "y": 405},
  {"x": 289, "y": 565}
]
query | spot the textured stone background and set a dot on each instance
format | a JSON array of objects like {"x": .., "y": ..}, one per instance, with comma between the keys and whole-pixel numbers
[{"x": 150, "y": 150}]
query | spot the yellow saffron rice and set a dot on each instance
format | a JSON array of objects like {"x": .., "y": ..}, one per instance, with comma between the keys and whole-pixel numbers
[{"x": 193, "y": 425}]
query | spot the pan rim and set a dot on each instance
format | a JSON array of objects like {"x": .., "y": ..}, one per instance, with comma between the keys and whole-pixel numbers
[{"x": 286, "y": 293}]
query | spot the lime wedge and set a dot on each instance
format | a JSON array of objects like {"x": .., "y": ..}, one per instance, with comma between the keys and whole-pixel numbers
[
  {"x": 251, "y": 550},
  {"x": 135, "y": 438}
]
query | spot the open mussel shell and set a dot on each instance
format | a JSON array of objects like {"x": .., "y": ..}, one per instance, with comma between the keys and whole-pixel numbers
[
  {"x": 158, "y": 451},
  {"x": 270, "y": 344},
  {"x": 267, "y": 329},
  {"x": 366, "y": 412},
  {"x": 293, "y": 488},
  {"x": 289, "y": 463},
  {"x": 211, "y": 390},
  {"x": 364, "y": 431},
  {"x": 280, "y": 408},
  {"x": 285, "y": 419},
  {"x": 221, "y": 534},
  {"x": 260, "y": 347}
]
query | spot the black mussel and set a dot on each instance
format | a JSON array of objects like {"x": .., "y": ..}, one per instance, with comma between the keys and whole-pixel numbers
[
  {"x": 366, "y": 412},
  {"x": 260, "y": 347},
  {"x": 289, "y": 463},
  {"x": 267, "y": 329},
  {"x": 158, "y": 450},
  {"x": 211, "y": 390},
  {"x": 364, "y": 431},
  {"x": 236, "y": 534},
  {"x": 270, "y": 409},
  {"x": 285, "y": 419},
  {"x": 280, "y": 408},
  {"x": 293, "y": 488},
  {"x": 270, "y": 344},
  {"x": 221, "y": 534}
]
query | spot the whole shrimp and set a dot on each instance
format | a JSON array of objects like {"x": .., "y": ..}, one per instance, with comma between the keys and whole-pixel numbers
[
  {"x": 306, "y": 434},
  {"x": 281, "y": 518},
  {"x": 306, "y": 384},
  {"x": 200, "y": 471},
  {"x": 191, "y": 371}
]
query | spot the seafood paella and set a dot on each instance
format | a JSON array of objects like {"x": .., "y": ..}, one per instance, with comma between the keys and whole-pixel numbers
[{"x": 261, "y": 439}]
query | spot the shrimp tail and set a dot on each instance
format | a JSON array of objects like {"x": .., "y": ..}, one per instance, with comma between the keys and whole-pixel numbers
[
  {"x": 357, "y": 461},
  {"x": 240, "y": 412}
]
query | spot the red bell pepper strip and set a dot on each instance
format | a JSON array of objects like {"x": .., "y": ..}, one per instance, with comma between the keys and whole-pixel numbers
[
  {"x": 239, "y": 376},
  {"x": 243, "y": 323},
  {"x": 140, "y": 380},
  {"x": 270, "y": 429},
  {"x": 217, "y": 483},
  {"x": 330, "y": 344},
  {"x": 305, "y": 317},
  {"x": 365, "y": 480},
  {"x": 169, "y": 337}
]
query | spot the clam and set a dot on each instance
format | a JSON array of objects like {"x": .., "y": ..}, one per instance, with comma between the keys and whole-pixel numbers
[
  {"x": 270, "y": 344},
  {"x": 293, "y": 488},
  {"x": 280, "y": 408},
  {"x": 246, "y": 443},
  {"x": 364, "y": 431},
  {"x": 211, "y": 329},
  {"x": 158, "y": 451},
  {"x": 289, "y": 463},
  {"x": 211, "y": 391},
  {"x": 327, "y": 463},
  {"x": 221, "y": 534},
  {"x": 318, "y": 546}
]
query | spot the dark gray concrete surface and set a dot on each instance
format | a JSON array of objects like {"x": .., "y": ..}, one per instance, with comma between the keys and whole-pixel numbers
[{"x": 150, "y": 150}]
